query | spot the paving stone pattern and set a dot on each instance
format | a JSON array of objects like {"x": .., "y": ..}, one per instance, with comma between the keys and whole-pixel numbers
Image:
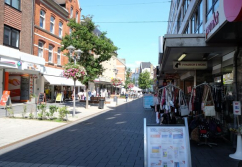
[{"x": 112, "y": 139}]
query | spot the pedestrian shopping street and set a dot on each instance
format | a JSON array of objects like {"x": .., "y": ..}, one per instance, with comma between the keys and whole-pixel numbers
[{"x": 113, "y": 138}]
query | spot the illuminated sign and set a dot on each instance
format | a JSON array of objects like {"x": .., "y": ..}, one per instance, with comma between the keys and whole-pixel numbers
[
  {"x": 189, "y": 65},
  {"x": 212, "y": 24}
]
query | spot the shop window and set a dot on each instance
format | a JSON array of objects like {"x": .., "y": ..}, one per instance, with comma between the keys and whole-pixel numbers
[
  {"x": 40, "y": 48},
  {"x": 77, "y": 17},
  {"x": 60, "y": 29},
  {"x": 50, "y": 57},
  {"x": 71, "y": 12},
  {"x": 59, "y": 56},
  {"x": 52, "y": 24},
  {"x": 212, "y": 6},
  {"x": 13, "y": 3},
  {"x": 42, "y": 19},
  {"x": 11, "y": 37}
]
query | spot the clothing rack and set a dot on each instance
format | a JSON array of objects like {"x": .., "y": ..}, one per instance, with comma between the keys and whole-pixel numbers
[{"x": 206, "y": 138}]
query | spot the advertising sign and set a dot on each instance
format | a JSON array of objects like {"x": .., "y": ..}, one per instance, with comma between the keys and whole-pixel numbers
[
  {"x": 58, "y": 97},
  {"x": 167, "y": 146},
  {"x": 41, "y": 98},
  {"x": 14, "y": 83},
  {"x": 148, "y": 100},
  {"x": 186, "y": 65},
  {"x": 236, "y": 108},
  {"x": 4, "y": 98}
]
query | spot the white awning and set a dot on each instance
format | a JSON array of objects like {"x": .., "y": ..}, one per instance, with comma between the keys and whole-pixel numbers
[{"x": 53, "y": 80}]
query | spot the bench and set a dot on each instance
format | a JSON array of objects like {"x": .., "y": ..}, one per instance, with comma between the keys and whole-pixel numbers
[{"x": 95, "y": 100}]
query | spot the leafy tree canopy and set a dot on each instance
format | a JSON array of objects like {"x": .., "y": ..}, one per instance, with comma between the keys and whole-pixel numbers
[
  {"x": 96, "y": 49},
  {"x": 144, "y": 80},
  {"x": 127, "y": 78}
]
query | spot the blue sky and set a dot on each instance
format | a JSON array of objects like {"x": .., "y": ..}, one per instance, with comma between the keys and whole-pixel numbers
[{"x": 137, "y": 42}]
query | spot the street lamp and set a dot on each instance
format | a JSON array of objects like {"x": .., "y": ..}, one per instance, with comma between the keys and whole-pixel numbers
[
  {"x": 77, "y": 56},
  {"x": 115, "y": 72}
]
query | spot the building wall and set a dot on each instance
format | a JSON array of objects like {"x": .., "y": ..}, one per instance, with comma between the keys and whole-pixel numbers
[
  {"x": 109, "y": 66},
  {"x": 1, "y": 20},
  {"x": 121, "y": 70},
  {"x": 44, "y": 35},
  {"x": 21, "y": 20}
]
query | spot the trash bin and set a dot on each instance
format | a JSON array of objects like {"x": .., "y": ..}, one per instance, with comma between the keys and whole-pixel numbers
[{"x": 101, "y": 103}]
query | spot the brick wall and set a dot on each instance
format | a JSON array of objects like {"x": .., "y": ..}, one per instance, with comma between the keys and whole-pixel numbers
[
  {"x": 12, "y": 17},
  {"x": 1, "y": 20},
  {"x": 26, "y": 37},
  {"x": 20, "y": 20}
]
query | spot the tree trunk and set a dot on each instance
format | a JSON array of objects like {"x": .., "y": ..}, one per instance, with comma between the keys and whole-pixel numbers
[{"x": 87, "y": 96}]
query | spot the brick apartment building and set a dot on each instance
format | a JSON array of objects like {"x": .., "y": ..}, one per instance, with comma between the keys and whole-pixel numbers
[
  {"x": 30, "y": 37},
  {"x": 51, "y": 19}
]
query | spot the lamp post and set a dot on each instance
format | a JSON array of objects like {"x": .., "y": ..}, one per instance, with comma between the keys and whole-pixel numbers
[
  {"x": 75, "y": 56},
  {"x": 115, "y": 72}
]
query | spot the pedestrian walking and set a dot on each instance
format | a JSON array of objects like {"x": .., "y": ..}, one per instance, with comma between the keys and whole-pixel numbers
[{"x": 126, "y": 96}]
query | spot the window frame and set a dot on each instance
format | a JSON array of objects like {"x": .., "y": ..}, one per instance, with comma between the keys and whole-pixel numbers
[
  {"x": 11, "y": 4},
  {"x": 41, "y": 48},
  {"x": 197, "y": 23},
  {"x": 77, "y": 16},
  {"x": 52, "y": 23},
  {"x": 58, "y": 55},
  {"x": 71, "y": 12},
  {"x": 50, "y": 51},
  {"x": 42, "y": 17},
  {"x": 211, "y": 10},
  {"x": 60, "y": 28},
  {"x": 11, "y": 40}
]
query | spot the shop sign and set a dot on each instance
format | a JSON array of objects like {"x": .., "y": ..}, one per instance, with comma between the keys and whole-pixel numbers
[
  {"x": 32, "y": 66},
  {"x": 186, "y": 65},
  {"x": 236, "y": 107},
  {"x": 7, "y": 62},
  {"x": 4, "y": 98},
  {"x": 212, "y": 24},
  {"x": 233, "y": 10}
]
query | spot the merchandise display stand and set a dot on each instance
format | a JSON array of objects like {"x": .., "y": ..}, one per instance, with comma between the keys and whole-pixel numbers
[{"x": 210, "y": 144}]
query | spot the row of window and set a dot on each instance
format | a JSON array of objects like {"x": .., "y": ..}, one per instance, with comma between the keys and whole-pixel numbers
[
  {"x": 52, "y": 22},
  {"x": 50, "y": 52},
  {"x": 197, "y": 17}
]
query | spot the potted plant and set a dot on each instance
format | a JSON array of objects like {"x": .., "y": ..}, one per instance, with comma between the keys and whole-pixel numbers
[{"x": 10, "y": 111}]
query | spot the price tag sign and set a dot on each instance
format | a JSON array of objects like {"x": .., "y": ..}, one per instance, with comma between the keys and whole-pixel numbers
[{"x": 236, "y": 107}]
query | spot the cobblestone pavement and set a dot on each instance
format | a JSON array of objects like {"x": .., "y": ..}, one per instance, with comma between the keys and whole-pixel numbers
[{"x": 112, "y": 139}]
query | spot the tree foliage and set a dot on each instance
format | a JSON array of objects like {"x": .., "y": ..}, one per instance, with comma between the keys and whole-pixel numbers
[
  {"x": 96, "y": 49},
  {"x": 144, "y": 80},
  {"x": 127, "y": 78}
]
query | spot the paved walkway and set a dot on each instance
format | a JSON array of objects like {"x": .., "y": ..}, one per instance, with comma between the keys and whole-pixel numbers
[{"x": 111, "y": 139}]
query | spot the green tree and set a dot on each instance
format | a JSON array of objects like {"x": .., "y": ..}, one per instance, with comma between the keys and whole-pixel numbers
[
  {"x": 127, "y": 78},
  {"x": 144, "y": 80},
  {"x": 96, "y": 49}
]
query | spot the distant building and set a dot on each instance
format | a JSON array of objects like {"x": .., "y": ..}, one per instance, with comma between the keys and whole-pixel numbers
[{"x": 135, "y": 76}]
